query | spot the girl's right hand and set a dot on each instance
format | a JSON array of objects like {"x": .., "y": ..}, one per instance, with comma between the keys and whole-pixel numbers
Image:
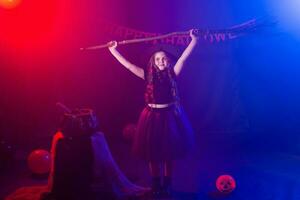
[{"x": 112, "y": 44}]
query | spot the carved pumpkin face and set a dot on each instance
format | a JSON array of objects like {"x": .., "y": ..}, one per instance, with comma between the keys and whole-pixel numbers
[{"x": 225, "y": 183}]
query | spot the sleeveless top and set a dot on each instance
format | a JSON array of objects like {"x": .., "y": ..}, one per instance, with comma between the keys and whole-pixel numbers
[{"x": 160, "y": 89}]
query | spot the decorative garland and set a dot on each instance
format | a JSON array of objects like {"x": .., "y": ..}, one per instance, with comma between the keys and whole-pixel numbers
[{"x": 179, "y": 38}]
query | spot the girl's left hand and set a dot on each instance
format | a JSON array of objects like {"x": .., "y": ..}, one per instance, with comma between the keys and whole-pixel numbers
[{"x": 193, "y": 33}]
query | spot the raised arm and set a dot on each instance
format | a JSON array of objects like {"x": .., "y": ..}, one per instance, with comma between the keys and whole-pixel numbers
[
  {"x": 186, "y": 53},
  {"x": 138, "y": 71}
]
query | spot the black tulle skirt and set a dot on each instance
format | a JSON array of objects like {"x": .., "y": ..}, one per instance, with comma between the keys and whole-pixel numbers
[{"x": 163, "y": 134}]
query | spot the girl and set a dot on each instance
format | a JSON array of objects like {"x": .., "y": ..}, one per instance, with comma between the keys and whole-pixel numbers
[{"x": 163, "y": 132}]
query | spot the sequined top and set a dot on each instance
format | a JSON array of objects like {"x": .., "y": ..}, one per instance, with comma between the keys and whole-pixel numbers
[{"x": 161, "y": 87}]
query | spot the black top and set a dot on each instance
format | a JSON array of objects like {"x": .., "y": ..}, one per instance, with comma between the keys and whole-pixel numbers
[{"x": 159, "y": 88}]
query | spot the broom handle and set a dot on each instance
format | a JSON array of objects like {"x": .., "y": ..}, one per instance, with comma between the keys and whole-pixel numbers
[{"x": 137, "y": 40}]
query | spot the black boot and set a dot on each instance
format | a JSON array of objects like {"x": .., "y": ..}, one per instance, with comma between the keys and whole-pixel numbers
[
  {"x": 156, "y": 187},
  {"x": 166, "y": 187}
]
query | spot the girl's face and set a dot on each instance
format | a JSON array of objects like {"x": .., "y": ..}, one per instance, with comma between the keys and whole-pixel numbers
[{"x": 161, "y": 60}]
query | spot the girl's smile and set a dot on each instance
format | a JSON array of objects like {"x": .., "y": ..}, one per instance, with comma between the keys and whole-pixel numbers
[{"x": 161, "y": 60}]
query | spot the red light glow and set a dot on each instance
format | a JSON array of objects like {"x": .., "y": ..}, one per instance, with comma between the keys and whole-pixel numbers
[
  {"x": 9, "y": 4},
  {"x": 27, "y": 23}
]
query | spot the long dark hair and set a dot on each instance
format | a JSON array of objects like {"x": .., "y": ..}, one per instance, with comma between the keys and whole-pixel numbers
[{"x": 154, "y": 74}]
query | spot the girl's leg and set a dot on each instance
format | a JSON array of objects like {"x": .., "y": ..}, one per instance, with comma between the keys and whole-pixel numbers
[
  {"x": 167, "y": 168},
  {"x": 167, "y": 172},
  {"x": 155, "y": 169}
]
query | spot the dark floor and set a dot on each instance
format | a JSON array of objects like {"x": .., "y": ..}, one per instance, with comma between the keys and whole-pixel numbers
[{"x": 259, "y": 175}]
